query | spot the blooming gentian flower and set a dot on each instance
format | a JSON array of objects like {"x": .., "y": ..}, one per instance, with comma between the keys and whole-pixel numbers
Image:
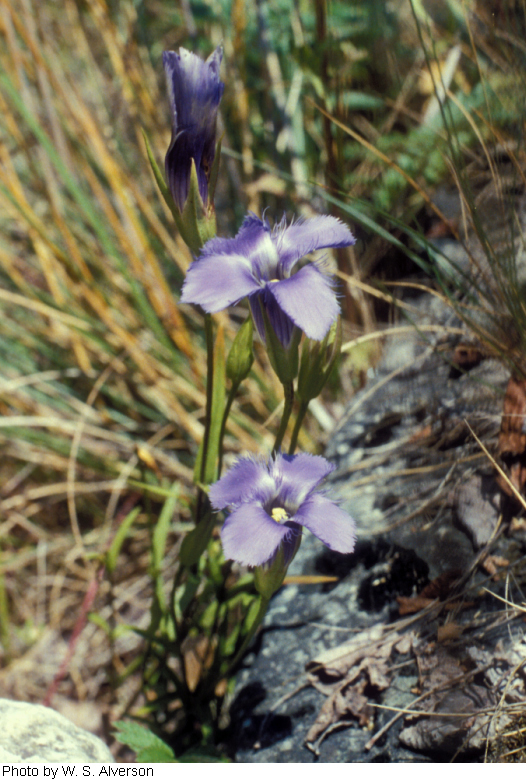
[
  {"x": 195, "y": 91},
  {"x": 264, "y": 265},
  {"x": 270, "y": 502}
]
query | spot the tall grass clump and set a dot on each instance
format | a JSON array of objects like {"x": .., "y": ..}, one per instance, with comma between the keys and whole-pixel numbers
[{"x": 102, "y": 374}]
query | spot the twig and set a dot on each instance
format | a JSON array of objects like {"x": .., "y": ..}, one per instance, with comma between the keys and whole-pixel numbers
[{"x": 80, "y": 622}]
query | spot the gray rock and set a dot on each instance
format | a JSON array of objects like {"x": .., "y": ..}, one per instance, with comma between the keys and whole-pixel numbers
[
  {"x": 31, "y": 733},
  {"x": 410, "y": 452},
  {"x": 406, "y": 466}
]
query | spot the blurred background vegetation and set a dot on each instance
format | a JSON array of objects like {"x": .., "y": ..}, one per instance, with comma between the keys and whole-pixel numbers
[{"x": 370, "y": 111}]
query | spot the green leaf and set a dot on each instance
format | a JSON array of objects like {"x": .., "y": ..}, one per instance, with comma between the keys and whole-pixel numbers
[
  {"x": 157, "y": 554},
  {"x": 99, "y": 621},
  {"x": 198, "y": 222},
  {"x": 208, "y": 617},
  {"x": 361, "y": 101},
  {"x": 114, "y": 633},
  {"x": 244, "y": 584},
  {"x": 198, "y": 462},
  {"x": 195, "y": 543},
  {"x": 157, "y": 755},
  {"x": 162, "y": 528},
  {"x": 159, "y": 178},
  {"x": 216, "y": 562},
  {"x": 251, "y": 616},
  {"x": 149, "y": 747},
  {"x": 185, "y": 595},
  {"x": 119, "y": 539},
  {"x": 228, "y": 643},
  {"x": 214, "y": 172}
]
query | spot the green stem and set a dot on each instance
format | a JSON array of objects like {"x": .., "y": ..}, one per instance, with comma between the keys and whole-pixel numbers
[
  {"x": 209, "y": 388},
  {"x": 228, "y": 406},
  {"x": 263, "y": 606},
  {"x": 288, "y": 391},
  {"x": 146, "y": 496},
  {"x": 4, "y": 620},
  {"x": 297, "y": 426},
  {"x": 209, "y": 335},
  {"x": 175, "y": 584}
]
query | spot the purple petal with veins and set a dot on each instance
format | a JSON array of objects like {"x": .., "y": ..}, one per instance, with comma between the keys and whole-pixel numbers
[
  {"x": 270, "y": 502},
  {"x": 263, "y": 264}
]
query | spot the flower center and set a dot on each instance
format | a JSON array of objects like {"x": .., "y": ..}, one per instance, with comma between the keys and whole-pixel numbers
[
  {"x": 279, "y": 514},
  {"x": 265, "y": 263}
]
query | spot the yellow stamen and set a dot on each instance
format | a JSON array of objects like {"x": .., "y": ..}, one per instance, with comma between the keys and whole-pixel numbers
[{"x": 279, "y": 514}]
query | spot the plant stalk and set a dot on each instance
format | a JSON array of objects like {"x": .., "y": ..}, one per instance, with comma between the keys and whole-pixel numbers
[
  {"x": 209, "y": 335},
  {"x": 228, "y": 406},
  {"x": 297, "y": 426},
  {"x": 263, "y": 606},
  {"x": 288, "y": 392}
]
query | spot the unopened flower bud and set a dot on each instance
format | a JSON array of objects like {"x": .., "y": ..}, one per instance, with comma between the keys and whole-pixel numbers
[
  {"x": 317, "y": 361},
  {"x": 241, "y": 355}
]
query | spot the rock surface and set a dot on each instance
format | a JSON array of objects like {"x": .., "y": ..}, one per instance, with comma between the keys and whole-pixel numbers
[
  {"x": 408, "y": 470},
  {"x": 31, "y": 733}
]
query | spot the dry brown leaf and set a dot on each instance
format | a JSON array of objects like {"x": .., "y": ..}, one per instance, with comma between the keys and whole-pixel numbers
[
  {"x": 462, "y": 710},
  {"x": 493, "y": 564},
  {"x": 408, "y": 605},
  {"x": 308, "y": 579},
  {"x": 477, "y": 508},
  {"x": 512, "y": 439},
  {"x": 221, "y": 688},
  {"x": 448, "y": 734},
  {"x": 405, "y": 643},
  {"x": 440, "y": 587},
  {"x": 449, "y": 631},
  {"x": 347, "y": 700},
  {"x": 333, "y": 664},
  {"x": 345, "y": 672},
  {"x": 518, "y": 525},
  {"x": 198, "y": 654}
]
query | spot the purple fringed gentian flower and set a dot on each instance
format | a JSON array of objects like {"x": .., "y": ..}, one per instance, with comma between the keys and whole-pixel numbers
[
  {"x": 264, "y": 265},
  {"x": 269, "y": 504},
  {"x": 195, "y": 92}
]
